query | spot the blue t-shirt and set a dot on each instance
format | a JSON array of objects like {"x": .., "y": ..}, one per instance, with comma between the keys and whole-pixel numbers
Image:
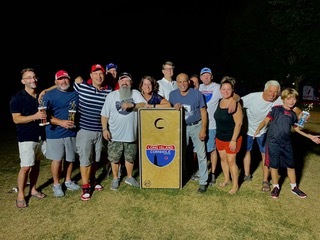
[
  {"x": 26, "y": 105},
  {"x": 58, "y": 104},
  {"x": 281, "y": 121},
  {"x": 192, "y": 103}
]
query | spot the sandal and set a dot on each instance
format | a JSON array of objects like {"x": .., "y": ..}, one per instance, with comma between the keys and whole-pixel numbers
[
  {"x": 266, "y": 186},
  {"x": 39, "y": 195}
]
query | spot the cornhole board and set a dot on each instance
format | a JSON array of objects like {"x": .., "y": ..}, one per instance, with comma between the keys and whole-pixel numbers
[{"x": 160, "y": 148}]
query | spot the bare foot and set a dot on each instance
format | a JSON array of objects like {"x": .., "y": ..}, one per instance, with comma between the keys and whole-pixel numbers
[
  {"x": 223, "y": 184},
  {"x": 232, "y": 191}
]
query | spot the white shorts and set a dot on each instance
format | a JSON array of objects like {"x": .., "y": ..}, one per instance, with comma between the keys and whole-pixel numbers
[{"x": 29, "y": 152}]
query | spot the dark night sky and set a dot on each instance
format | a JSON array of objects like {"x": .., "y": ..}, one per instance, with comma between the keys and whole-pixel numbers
[{"x": 137, "y": 37}]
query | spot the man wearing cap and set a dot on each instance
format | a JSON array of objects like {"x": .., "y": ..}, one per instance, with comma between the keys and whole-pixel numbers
[
  {"x": 89, "y": 138},
  {"x": 111, "y": 75},
  {"x": 61, "y": 132},
  {"x": 119, "y": 120},
  {"x": 211, "y": 93},
  {"x": 167, "y": 84}
]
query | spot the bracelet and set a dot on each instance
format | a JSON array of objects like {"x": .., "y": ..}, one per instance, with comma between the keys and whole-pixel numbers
[
  {"x": 104, "y": 129},
  {"x": 233, "y": 140},
  {"x": 154, "y": 105}
]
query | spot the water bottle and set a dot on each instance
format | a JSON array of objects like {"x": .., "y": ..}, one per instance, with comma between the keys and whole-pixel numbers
[{"x": 305, "y": 114}]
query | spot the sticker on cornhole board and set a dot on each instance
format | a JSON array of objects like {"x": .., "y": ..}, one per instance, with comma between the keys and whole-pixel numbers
[{"x": 160, "y": 155}]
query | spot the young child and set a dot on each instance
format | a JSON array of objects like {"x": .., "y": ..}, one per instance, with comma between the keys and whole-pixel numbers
[{"x": 279, "y": 150}]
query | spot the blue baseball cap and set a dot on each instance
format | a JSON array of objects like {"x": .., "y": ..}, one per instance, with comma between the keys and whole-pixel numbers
[
  {"x": 111, "y": 65},
  {"x": 205, "y": 70}
]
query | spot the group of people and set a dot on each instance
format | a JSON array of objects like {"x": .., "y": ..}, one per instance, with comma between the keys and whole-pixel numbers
[{"x": 104, "y": 109}]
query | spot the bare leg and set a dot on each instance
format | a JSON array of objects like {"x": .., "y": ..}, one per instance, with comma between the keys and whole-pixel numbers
[
  {"x": 115, "y": 169},
  {"x": 225, "y": 168},
  {"x": 56, "y": 171},
  {"x": 129, "y": 167},
  {"x": 22, "y": 181},
  {"x": 33, "y": 176},
  {"x": 214, "y": 160},
  {"x": 292, "y": 175},
  {"x": 85, "y": 174},
  {"x": 68, "y": 169},
  {"x": 234, "y": 170},
  {"x": 247, "y": 163},
  {"x": 265, "y": 169},
  {"x": 274, "y": 176}
]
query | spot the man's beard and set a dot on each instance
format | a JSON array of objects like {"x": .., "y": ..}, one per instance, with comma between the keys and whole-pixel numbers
[{"x": 125, "y": 92}]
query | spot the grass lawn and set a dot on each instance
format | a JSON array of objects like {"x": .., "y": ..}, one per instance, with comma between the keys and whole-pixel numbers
[{"x": 166, "y": 213}]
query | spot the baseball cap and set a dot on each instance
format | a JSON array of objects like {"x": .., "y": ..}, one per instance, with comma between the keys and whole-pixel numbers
[
  {"x": 111, "y": 65},
  {"x": 205, "y": 70},
  {"x": 60, "y": 74},
  {"x": 125, "y": 74},
  {"x": 97, "y": 67}
]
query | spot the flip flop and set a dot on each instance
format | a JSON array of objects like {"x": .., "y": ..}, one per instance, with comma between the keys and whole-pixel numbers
[
  {"x": 21, "y": 204},
  {"x": 39, "y": 195},
  {"x": 265, "y": 186}
]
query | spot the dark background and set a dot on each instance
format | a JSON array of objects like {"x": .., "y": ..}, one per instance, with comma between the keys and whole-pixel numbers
[{"x": 227, "y": 36}]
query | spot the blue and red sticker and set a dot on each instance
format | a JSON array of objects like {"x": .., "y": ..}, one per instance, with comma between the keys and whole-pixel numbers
[{"x": 160, "y": 155}]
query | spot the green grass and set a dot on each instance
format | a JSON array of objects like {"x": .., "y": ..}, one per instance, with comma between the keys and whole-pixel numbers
[{"x": 163, "y": 213}]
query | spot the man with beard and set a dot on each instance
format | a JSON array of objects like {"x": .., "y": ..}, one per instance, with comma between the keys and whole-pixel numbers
[
  {"x": 119, "y": 120},
  {"x": 61, "y": 133}
]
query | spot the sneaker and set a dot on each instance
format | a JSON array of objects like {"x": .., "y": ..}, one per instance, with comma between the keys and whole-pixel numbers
[
  {"x": 202, "y": 189},
  {"x": 98, "y": 187},
  {"x": 86, "y": 194},
  {"x": 275, "y": 192},
  {"x": 72, "y": 186},
  {"x": 57, "y": 190},
  {"x": 132, "y": 182},
  {"x": 247, "y": 178},
  {"x": 114, "y": 184},
  {"x": 298, "y": 192},
  {"x": 195, "y": 176},
  {"x": 213, "y": 179}
]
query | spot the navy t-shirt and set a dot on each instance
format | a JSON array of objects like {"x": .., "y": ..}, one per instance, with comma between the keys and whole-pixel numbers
[{"x": 27, "y": 105}]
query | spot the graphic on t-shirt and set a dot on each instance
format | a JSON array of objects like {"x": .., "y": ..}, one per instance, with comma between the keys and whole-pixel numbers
[
  {"x": 187, "y": 112},
  {"x": 160, "y": 155},
  {"x": 207, "y": 95},
  {"x": 120, "y": 110}
]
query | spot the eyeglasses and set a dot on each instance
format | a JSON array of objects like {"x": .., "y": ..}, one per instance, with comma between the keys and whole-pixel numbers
[
  {"x": 30, "y": 78},
  {"x": 168, "y": 69}
]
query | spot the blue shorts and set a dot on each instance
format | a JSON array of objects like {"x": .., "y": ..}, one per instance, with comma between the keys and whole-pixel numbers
[
  {"x": 279, "y": 156},
  {"x": 260, "y": 140},
  {"x": 211, "y": 140}
]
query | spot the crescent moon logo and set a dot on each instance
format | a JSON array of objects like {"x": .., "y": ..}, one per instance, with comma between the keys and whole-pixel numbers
[{"x": 158, "y": 123}]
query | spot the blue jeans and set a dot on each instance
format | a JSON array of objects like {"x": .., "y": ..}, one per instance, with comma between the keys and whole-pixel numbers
[{"x": 200, "y": 147}]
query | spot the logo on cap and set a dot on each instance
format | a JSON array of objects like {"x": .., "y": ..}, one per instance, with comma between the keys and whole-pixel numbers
[
  {"x": 61, "y": 74},
  {"x": 97, "y": 67},
  {"x": 205, "y": 70}
]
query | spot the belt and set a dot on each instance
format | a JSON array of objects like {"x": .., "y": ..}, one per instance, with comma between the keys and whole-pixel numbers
[{"x": 194, "y": 123}]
